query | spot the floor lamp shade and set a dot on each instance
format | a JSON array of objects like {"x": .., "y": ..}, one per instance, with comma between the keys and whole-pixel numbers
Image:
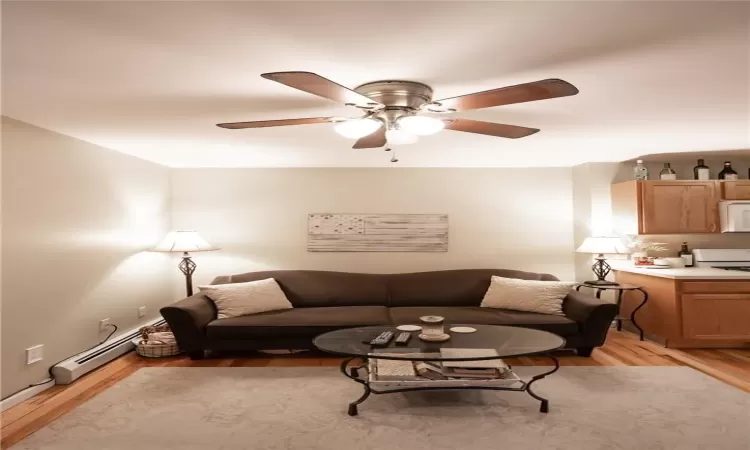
[
  {"x": 602, "y": 245},
  {"x": 185, "y": 241}
]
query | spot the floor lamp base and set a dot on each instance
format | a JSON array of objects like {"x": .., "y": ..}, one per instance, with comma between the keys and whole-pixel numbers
[{"x": 187, "y": 267}]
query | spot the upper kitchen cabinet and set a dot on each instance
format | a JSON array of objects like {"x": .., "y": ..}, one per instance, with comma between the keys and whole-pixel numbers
[
  {"x": 736, "y": 190},
  {"x": 665, "y": 207}
]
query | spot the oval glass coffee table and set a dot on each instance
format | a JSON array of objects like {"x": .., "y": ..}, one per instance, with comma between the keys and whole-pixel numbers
[{"x": 489, "y": 344}]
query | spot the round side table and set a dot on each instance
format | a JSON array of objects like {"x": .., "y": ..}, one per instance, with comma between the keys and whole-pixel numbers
[{"x": 620, "y": 288}]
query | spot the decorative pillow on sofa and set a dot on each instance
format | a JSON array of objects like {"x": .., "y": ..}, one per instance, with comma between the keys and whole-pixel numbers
[
  {"x": 545, "y": 297},
  {"x": 240, "y": 299}
]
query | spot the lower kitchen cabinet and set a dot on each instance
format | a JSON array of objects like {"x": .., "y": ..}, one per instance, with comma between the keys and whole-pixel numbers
[
  {"x": 716, "y": 316},
  {"x": 691, "y": 313}
]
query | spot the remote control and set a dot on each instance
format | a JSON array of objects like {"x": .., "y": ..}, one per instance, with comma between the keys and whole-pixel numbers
[
  {"x": 403, "y": 338},
  {"x": 382, "y": 339}
]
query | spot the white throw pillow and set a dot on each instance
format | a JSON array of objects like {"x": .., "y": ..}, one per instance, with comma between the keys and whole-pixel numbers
[
  {"x": 240, "y": 299},
  {"x": 545, "y": 297}
]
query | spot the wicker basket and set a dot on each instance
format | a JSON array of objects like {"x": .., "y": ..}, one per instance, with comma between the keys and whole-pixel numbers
[{"x": 157, "y": 342}]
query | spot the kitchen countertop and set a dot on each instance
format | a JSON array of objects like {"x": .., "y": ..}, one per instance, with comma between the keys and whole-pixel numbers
[{"x": 683, "y": 273}]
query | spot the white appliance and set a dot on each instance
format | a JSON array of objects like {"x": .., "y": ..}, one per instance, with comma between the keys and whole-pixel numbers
[
  {"x": 735, "y": 216},
  {"x": 723, "y": 258}
]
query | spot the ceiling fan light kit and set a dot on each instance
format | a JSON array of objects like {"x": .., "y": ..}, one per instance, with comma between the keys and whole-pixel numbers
[
  {"x": 357, "y": 128},
  {"x": 394, "y": 109},
  {"x": 421, "y": 125},
  {"x": 396, "y": 136}
]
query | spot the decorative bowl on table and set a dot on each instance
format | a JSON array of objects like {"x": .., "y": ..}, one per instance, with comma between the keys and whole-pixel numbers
[{"x": 644, "y": 260}]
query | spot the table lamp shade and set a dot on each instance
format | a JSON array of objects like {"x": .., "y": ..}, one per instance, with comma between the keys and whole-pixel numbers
[
  {"x": 183, "y": 241},
  {"x": 602, "y": 245}
]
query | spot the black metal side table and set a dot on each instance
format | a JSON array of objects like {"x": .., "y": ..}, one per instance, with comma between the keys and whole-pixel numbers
[{"x": 620, "y": 288}]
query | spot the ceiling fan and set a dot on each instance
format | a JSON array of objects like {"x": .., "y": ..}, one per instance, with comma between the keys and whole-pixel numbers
[{"x": 398, "y": 112}]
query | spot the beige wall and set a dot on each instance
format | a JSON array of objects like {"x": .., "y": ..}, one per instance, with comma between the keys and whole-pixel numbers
[
  {"x": 503, "y": 218},
  {"x": 75, "y": 219},
  {"x": 592, "y": 209}
]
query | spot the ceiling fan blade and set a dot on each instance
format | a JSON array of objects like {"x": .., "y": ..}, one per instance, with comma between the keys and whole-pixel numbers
[
  {"x": 490, "y": 128},
  {"x": 374, "y": 140},
  {"x": 322, "y": 87},
  {"x": 520, "y": 93},
  {"x": 275, "y": 123}
]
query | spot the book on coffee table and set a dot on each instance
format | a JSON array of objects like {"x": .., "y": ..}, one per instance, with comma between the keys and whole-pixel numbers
[
  {"x": 471, "y": 373},
  {"x": 496, "y": 364},
  {"x": 394, "y": 369}
]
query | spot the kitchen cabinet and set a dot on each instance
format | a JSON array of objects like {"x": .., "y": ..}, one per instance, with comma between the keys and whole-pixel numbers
[
  {"x": 715, "y": 316},
  {"x": 665, "y": 207},
  {"x": 736, "y": 190},
  {"x": 691, "y": 313}
]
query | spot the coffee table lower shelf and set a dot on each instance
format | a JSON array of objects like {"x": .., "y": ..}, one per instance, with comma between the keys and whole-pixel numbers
[{"x": 374, "y": 386}]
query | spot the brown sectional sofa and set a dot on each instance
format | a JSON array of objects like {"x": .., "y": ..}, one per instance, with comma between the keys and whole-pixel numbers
[{"x": 325, "y": 301}]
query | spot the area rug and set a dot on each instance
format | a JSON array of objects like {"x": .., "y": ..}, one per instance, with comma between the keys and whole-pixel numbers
[{"x": 665, "y": 408}]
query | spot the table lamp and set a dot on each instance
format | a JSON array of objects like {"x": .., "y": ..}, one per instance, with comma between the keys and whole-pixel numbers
[
  {"x": 599, "y": 246},
  {"x": 185, "y": 241}
]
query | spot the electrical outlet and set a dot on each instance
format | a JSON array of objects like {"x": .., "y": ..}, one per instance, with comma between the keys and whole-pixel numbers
[
  {"x": 34, "y": 354},
  {"x": 104, "y": 324},
  {"x": 142, "y": 311}
]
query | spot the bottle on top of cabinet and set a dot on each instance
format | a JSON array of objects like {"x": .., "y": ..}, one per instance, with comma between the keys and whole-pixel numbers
[
  {"x": 640, "y": 172},
  {"x": 686, "y": 255},
  {"x": 667, "y": 173},
  {"x": 727, "y": 173},
  {"x": 701, "y": 171}
]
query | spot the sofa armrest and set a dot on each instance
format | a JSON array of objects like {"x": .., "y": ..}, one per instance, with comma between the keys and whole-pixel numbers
[
  {"x": 594, "y": 316},
  {"x": 188, "y": 319}
]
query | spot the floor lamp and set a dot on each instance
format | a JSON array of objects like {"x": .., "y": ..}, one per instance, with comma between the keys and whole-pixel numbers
[{"x": 185, "y": 241}]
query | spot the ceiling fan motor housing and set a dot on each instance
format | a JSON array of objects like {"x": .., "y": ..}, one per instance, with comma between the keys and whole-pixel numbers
[{"x": 401, "y": 98}]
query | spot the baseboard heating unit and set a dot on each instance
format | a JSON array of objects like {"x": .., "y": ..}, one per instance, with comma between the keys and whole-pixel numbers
[{"x": 73, "y": 368}]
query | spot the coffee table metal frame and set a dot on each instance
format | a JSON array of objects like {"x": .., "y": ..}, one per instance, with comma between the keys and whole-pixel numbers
[
  {"x": 361, "y": 358},
  {"x": 353, "y": 373}
]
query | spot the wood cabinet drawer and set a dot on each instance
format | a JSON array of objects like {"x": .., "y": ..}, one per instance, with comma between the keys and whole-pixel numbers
[
  {"x": 719, "y": 287},
  {"x": 716, "y": 316},
  {"x": 736, "y": 190}
]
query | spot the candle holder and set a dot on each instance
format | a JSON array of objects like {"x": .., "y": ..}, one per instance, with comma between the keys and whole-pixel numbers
[{"x": 432, "y": 329}]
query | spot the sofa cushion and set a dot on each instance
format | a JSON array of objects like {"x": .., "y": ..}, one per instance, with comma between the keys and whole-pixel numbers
[
  {"x": 403, "y": 315},
  {"x": 449, "y": 287},
  {"x": 241, "y": 299},
  {"x": 312, "y": 288},
  {"x": 468, "y": 315},
  {"x": 544, "y": 297},
  {"x": 560, "y": 325},
  {"x": 296, "y": 323}
]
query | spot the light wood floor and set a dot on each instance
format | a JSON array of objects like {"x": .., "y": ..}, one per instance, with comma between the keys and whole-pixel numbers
[{"x": 731, "y": 366}]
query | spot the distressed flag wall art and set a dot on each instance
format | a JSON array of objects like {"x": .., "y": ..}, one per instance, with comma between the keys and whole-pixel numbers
[{"x": 377, "y": 232}]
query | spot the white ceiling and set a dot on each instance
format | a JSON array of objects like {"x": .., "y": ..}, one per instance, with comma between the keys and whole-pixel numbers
[{"x": 152, "y": 79}]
